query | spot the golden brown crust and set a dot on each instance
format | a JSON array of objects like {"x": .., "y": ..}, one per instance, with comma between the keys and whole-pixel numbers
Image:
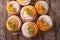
[
  {"x": 21, "y": 1},
  {"x": 38, "y": 8},
  {"x": 14, "y": 21},
  {"x": 24, "y": 2},
  {"x": 9, "y": 10},
  {"x": 41, "y": 27},
  {"x": 32, "y": 13}
]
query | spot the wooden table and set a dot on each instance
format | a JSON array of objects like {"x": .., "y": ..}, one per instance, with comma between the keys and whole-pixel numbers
[{"x": 53, "y": 34}]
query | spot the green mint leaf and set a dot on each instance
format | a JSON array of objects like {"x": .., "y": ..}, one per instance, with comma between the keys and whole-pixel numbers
[
  {"x": 45, "y": 23},
  {"x": 42, "y": 8},
  {"x": 12, "y": 25},
  {"x": 12, "y": 8},
  {"x": 29, "y": 29},
  {"x": 28, "y": 11}
]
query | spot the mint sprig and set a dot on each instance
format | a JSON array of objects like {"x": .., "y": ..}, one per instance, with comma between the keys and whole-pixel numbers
[
  {"x": 12, "y": 25},
  {"x": 45, "y": 23},
  {"x": 28, "y": 11},
  {"x": 29, "y": 29},
  {"x": 42, "y": 8},
  {"x": 12, "y": 8}
]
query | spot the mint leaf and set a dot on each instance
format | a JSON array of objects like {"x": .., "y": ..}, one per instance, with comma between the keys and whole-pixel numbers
[
  {"x": 12, "y": 25},
  {"x": 29, "y": 29},
  {"x": 12, "y": 8},
  {"x": 44, "y": 22},
  {"x": 42, "y": 8},
  {"x": 28, "y": 11}
]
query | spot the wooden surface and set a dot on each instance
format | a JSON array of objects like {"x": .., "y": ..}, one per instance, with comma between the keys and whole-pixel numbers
[{"x": 53, "y": 34}]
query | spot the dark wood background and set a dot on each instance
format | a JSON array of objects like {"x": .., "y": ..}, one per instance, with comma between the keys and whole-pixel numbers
[{"x": 53, "y": 34}]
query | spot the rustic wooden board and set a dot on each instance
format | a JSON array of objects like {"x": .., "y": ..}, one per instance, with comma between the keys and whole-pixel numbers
[{"x": 53, "y": 34}]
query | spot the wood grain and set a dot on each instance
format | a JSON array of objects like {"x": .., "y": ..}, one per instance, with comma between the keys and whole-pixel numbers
[{"x": 2, "y": 21}]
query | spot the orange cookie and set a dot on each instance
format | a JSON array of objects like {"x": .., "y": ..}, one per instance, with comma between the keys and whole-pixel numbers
[
  {"x": 24, "y": 2},
  {"x": 44, "y": 23},
  {"x": 42, "y": 7},
  {"x": 13, "y": 8},
  {"x": 13, "y": 23},
  {"x": 28, "y": 13},
  {"x": 29, "y": 29}
]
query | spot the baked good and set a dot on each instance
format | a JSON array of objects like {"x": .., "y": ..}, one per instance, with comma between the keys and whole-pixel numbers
[
  {"x": 29, "y": 29},
  {"x": 13, "y": 23},
  {"x": 13, "y": 7},
  {"x": 44, "y": 23},
  {"x": 42, "y": 7},
  {"x": 24, "y": 2},
  {"x": 28, "y": 13}
]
